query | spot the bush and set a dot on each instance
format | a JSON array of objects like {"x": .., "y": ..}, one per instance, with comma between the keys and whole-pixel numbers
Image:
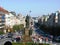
[{"x": 1, "y": 32}]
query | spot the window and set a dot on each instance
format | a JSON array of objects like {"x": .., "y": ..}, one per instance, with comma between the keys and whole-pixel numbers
[
  {"x": 3, "y": 17},
  {"x": 56, "y": 18},
  {"x": 8, "y": 17},
  {"x": 56, "y": 21}
]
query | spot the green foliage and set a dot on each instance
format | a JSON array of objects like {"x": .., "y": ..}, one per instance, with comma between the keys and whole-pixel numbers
[
  {"x": 15, "y": 27},
  {"x": 21, "y": 26},
  {"x": 1, "y": 32},
  {"x": 17, "y": 44},
  {"x": 28, "y": 44},
  {"x": 18, "y": 27}
]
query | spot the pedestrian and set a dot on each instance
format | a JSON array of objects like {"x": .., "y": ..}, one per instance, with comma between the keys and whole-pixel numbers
[
  {"x": 18, "y": 39},
  {"x": 40, "y": 40},
  {"x": 35, "y": 40},
  {"x": 46, "y": 40},
  {"x": 50, "y": 41}
]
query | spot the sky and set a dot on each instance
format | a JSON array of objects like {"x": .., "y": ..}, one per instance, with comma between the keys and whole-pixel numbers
[{"x": 37, "y": 7}]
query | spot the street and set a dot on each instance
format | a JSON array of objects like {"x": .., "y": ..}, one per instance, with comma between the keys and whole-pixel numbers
[
  {"x": 40, "y": 32},
  {"x": 2, "y": 41}
]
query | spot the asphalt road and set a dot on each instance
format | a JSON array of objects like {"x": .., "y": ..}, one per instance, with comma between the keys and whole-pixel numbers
[{"x": 2, "y": 41}]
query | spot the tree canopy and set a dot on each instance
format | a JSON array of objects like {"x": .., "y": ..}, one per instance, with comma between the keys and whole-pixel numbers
[{"x": 18, "y": 27}]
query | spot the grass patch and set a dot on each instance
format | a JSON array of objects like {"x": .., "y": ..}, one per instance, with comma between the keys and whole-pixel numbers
[
  {"x": 28, "y": 44},
  {"x": 17, "y": 43}
]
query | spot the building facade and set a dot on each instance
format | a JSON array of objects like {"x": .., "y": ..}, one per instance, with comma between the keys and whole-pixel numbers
[
  {"x": 52, "y": 19},
  {"x": 21, "y": 19},
  {"x": 3, "y": 12}
]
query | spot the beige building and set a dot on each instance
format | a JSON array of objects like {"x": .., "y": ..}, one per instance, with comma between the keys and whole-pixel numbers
[
  {"x": 22, "y": 19},
  {"x": 9, "y": 19},
  {"x": 3, "y": 12}
]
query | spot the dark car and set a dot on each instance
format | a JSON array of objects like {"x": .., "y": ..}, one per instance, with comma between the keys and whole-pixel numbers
[
  {"x": 1, "y": 36},
  {"x": 57, "y": 39},
  {"x": 16, "y": 38},
  {"x": 10, "y": 35}
]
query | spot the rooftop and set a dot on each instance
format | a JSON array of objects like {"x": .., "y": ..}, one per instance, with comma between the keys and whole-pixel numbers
[{"x": 3, "y": 10}]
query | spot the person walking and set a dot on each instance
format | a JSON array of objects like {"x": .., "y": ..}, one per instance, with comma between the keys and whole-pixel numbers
[{"x": 40, "y": 40}]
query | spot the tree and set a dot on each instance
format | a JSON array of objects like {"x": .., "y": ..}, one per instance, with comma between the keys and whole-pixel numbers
[
  {"x": 21, "y": 26},
  {"x": 18, "y": 27},
  {"x": 15, "y": 27},
  {"x": 1, "y": 32}
]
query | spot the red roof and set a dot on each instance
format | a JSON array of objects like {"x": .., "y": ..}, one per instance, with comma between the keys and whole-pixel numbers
[{"x": 3, "y": 10}]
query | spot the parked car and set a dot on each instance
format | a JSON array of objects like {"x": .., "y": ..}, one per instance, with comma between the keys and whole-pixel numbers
[
  {"x": 1, "y": 36},
  {"x": 16, "y": 38},
  {"x": 57, "y": 39},
  {"x": 10, "y": 35}
]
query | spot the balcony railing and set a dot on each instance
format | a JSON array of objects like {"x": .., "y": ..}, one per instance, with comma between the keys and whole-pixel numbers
[
  {"x": 2, "y": 20},
  {"x": 2, "y": 26},
  {"x": 2, "y": 23}
]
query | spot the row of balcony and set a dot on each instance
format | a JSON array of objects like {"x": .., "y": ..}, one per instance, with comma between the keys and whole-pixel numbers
[{"x": 2, "y": 27}]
